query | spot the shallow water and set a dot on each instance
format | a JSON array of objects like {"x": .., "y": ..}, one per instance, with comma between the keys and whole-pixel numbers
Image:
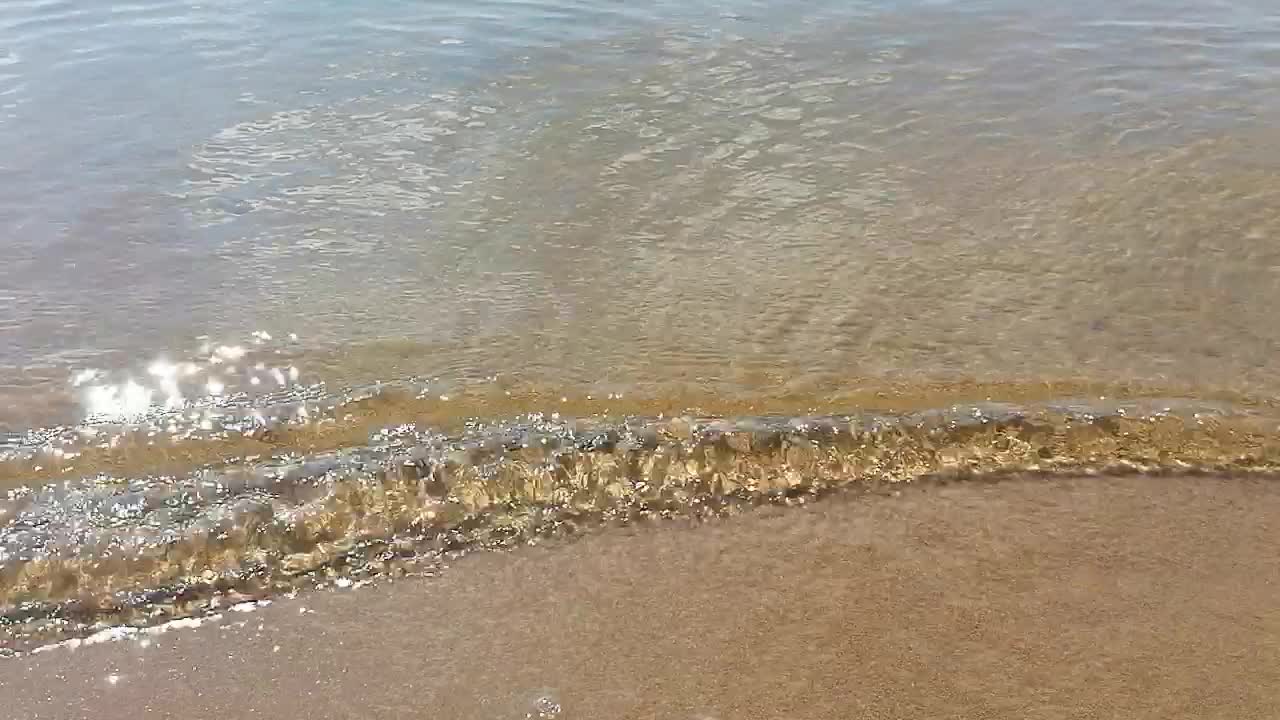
[
  {"x": 731, "y": 195},
  {"x": 268, "y": 235}
]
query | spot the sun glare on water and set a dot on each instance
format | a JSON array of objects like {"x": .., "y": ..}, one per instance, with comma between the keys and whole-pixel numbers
[{"x": 214, "y": 374}]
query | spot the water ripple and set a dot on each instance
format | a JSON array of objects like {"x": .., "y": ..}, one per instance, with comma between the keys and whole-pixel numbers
[{"x": 145, "y": 550}]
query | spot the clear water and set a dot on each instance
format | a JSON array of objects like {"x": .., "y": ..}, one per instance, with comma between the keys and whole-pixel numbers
[{"x": 731, "y": 194}]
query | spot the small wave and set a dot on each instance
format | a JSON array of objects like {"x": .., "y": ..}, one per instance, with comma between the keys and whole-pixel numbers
[{"x": 142, "y": 550}]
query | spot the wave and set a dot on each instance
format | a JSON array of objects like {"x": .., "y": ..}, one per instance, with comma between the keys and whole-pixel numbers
[{"x": 78, "y": 556}]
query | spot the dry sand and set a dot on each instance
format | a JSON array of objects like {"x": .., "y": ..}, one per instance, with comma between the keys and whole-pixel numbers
[{"x": 1131, "y": 597}]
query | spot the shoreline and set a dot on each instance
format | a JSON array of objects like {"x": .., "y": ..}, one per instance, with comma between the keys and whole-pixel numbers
[
  {"x": 1130, "y": 596},
  {"x": 85, "y": 556}
]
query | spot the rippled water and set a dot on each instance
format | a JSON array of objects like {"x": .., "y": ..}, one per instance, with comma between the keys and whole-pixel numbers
[{"x": 263, "y": 233}]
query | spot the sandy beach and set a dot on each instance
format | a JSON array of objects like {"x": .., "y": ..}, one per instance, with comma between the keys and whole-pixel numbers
[
  {"x": 659, "y": 322},
  {"x": 1026, "y": 598}
]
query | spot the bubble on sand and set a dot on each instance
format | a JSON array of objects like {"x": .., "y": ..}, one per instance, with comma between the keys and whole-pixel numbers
[{"x": 545, "y": 707}]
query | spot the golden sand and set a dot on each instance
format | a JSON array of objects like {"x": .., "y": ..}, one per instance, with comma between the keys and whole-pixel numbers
[{"x": 1134, "y": 597}]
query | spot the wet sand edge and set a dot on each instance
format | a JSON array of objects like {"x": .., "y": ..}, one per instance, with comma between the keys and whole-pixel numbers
[{"x": 1028, "y": 597}]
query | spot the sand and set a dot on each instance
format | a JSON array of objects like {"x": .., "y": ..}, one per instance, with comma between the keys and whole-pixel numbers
[{"x": 1133, "y": 597}]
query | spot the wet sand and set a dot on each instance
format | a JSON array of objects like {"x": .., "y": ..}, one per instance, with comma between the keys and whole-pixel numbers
[{"x": 1025, "y": 598}]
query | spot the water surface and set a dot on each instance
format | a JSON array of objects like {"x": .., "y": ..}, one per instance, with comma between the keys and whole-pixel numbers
[{"x": 579, "y": 195}]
